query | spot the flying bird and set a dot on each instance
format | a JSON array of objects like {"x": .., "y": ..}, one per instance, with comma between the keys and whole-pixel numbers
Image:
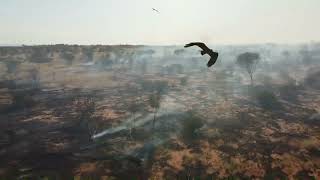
[
  {"x": 205, "y": 50},
  {"x": 155, "y": 10}
]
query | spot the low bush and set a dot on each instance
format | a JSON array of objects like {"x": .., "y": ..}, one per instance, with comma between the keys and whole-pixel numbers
[
  {"x": 190, "y": 126},
  {"x": 289, "y": 92},
  {"x": 21, "y": 100},
  {"x": 312, "y": 80},
  {"x": 84, "y": 108},
  {"x": 183, "y": 81},
  {"x": 268, "y": 100}
]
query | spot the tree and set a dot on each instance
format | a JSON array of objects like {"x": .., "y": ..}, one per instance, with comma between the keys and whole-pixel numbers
[
  {"x": 68, "y": 57},
  {"x": 130, "y": 60},
  {"x": 149, "y": 52},
  {"x": 249, "y": 61},
  {"x": 106, "y": 62},
  {"x": 88, "y": 52},
  {"x": 134, "y": 108},
  {"x": 40, "y": 55},
  {"x": 3, "y": 51},
  {"x": 11, "y": 66},
  {"x": 179, "y": 52},
  {"x": 154, "y": 101},
  {"x": 35, "y": 77},
  {"x": 85, "y": 108},
  {"x": 305, "y": 56},
  {"x": 144, "y": 66},
  {"x": 286, "y": 55},
  {"x": 175, "y": 69},
  {"x": 184, "y": 81}
]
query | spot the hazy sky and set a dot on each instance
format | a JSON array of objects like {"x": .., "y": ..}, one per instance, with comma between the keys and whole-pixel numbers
[{"x": 179, "y": 21}]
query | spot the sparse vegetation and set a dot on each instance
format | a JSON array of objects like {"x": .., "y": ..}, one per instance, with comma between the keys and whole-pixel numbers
[
  {"x": 289, "y": 92},
  {"x": 133, "y": 109},
  {"x": 40, "y": 55},
  {"x": 190, "y": 125},
  {"x": 154, "y": 101},
  {"x": 88, "y": 53},
  {"x": 179, "y": 52},
  {"x": 184, "y": 81},
  {"x": 312, "y": 80},
  {"x": 183, "y": 119},
  {"x": 85, "y": 108},
  {"x": 268, "y": 100},
  {"x": 12, "y": 66},
  {"x": 35, "y": 77},
  {"x": 68, "y": 57},
  {"x": 106, "y": 62},
  {"x": 21, "y": 100},
  {"x": 249, "y": 61}
]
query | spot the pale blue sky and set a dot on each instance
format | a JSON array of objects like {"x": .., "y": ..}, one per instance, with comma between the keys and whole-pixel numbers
[{"x": 179, "y": 21}]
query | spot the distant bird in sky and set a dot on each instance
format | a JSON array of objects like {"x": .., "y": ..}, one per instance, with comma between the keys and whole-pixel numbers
[
  {"x": 155, "y": 10},
  {"x": 205, "y": 50}
]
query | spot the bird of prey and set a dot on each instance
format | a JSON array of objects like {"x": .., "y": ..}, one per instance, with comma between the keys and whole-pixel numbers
[
  {"x": 205, "y": 50},
  {"x": 155, "y": 10}
]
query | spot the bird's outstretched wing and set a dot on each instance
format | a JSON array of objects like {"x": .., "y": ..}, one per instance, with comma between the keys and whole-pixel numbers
[
  {"x": 205, "y": 50},
  {"x": 213, "y": 59},
  {"x": 155, "y": 10},
  {"x": 199, "y": 44}
]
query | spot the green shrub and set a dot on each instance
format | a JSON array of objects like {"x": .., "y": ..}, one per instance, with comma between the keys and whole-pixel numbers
[
  {"x": 289, "y": 92},
  {"x": 190, "y": 126},
  {"x": 184, "y": 81},
  {"x": 268, "y": 100},
  {"x": 312, "y": 80}
]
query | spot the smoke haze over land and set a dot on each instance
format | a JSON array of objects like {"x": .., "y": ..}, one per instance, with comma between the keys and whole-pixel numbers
[
  {"x": 104, "y": 89},
  {"x": 159, "y": 112}
]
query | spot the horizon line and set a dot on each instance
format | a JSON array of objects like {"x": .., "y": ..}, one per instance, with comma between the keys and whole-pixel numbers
[{"x": 161, "y": 45}]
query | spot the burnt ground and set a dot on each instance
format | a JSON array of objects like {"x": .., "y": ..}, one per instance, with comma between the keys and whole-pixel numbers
[
  {"x": 43, "y": 138},
  {"x": 79, "y": 123}
]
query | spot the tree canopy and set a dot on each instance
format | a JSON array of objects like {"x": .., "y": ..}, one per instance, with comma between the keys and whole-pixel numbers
[{"x": 248, "y": 61}]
